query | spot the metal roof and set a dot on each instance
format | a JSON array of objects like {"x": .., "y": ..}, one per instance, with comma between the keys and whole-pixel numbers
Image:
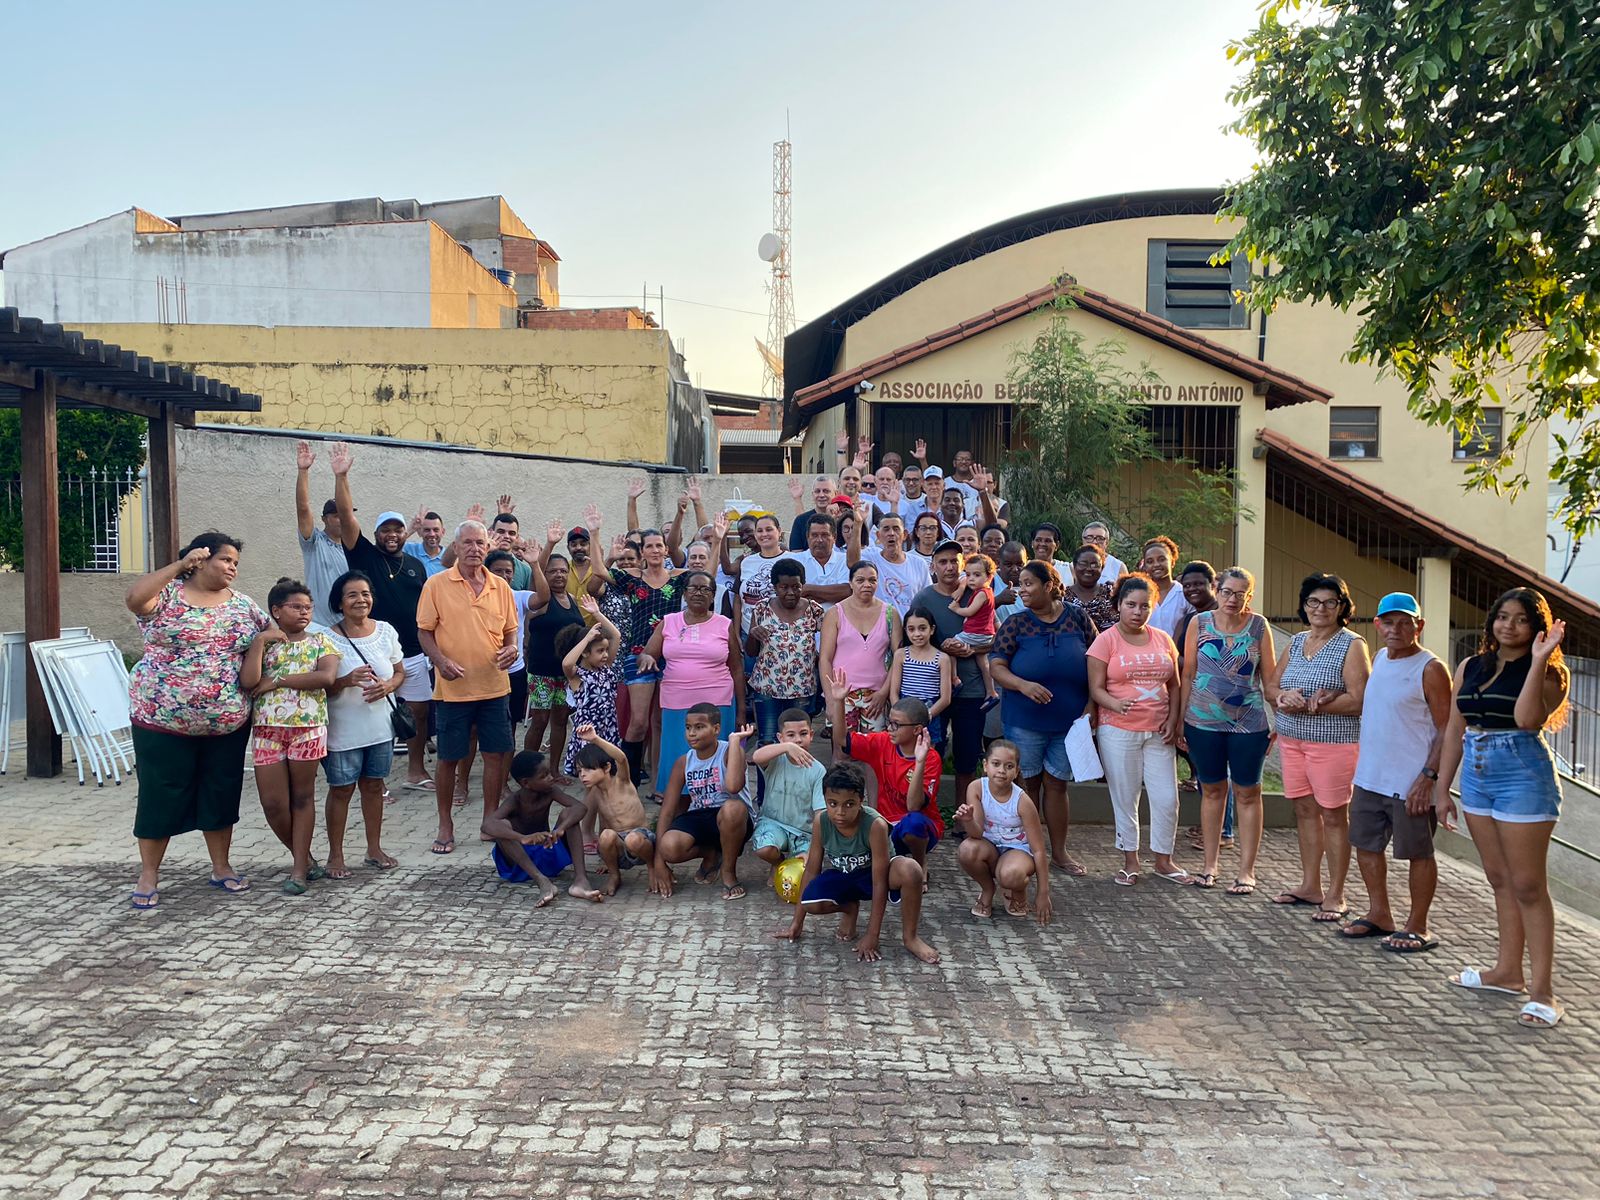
[
  {"x": 89, "y": 373},
  {"x": 756, "y": 437}
]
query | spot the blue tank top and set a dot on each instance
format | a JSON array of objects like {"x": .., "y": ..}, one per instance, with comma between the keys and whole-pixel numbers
[{"x": 921, "y": 679}]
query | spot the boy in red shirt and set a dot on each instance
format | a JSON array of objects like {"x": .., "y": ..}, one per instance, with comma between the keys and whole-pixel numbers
[{"x": 906, "y": 765}]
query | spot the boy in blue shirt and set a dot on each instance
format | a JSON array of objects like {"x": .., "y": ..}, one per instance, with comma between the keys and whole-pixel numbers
[{"x": 793, "y": 790}]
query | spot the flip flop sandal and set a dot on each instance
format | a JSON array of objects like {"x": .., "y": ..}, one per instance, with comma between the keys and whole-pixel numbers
[
  {"x": 1241, "y": 888},
  {"x": 1365, "y": 929},
  {"x": 1329, "y": 916},
  {"x": 1472, "y": 979},
  {"x": 143, "y": 900},
  {"x": 736, "y": 892},
  {"x": 1406, "y": 942},
  {"x": 316, "y": 872},
  {"x": 293, "y": 887},
  {"x": 1539, "y": 1016},
  {"x": 223, "y": 884},
  {"x": 1125, "y": 878},
  {"x": 1203, "y": 881},
  {"x": 1175, "y": 876},
  {"x": 425, "y": 785},
  {"x": 380, "y": 864},
  {"x": 447, "y": 846},
  {"x": 1290, "y": 900}
]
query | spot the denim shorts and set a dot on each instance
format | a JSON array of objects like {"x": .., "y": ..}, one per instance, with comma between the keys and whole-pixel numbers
[
  {"x": 1219, "y": 756},
  {"x": 458, "y": 718},
  {"x": 1038, "y": 751},
  {"x": 631, "y": 673},
  {"x": 344, "y": 767},
  {"x": 1510, "y": 775}
]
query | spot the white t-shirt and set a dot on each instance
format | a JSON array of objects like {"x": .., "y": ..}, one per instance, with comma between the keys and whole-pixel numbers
[
  {"x": 352, "y": 722},
  {"x": 522, "y": 599},
  {"x": 1113, "y": 569},
  {"x": 1169, "y": 614},
  {"x": 905, "y": 509},
  {"x": 755, "y": 577},
  {"x": 898, "y": 583},
  {"x": 829, "y": 574}
]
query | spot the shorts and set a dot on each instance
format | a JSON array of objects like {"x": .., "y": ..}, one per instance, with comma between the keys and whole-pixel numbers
[
  {"x": 344, "y": 767},
  {"x": 631, "y": 673},
  {"x": 517, "y": 701},
  {"x": 625, "y": 860},
  {"x": 841, "y": 888},
  {"x": 913, "y": 824},
  {"x": 1509, "y": 775},
  {"x": 546, "y": 692},
  {"x": 187, "y": 783},
  {"x": 1324, "y": 770},
  {"x": 551, "y": 861},
  {"x": 418, "y": 685},
  {"x": 788, "y": 841},
  {"x": 701, "y": 825},
  {"x": 1374, "y": 818},
  {"x": 978, "y": 641},
  {"x": 295, "y": 743},
  {"x": 456, "y": 719},
  {"x": 1218, "y": 756},
  {"x": 1039, "y": 752},
  {"x": 855, "y": 712}
]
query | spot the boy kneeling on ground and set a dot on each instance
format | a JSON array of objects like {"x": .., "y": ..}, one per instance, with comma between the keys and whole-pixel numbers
[
  {"x": 849, "y": 861},
  {"x": 525, "y": 847}
]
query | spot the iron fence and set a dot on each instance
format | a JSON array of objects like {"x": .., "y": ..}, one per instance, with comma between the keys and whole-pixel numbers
[{"x": 91, "y": 517}]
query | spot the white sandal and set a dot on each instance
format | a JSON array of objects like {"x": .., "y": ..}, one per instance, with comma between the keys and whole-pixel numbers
[
  {"x": 1472, "y": 979},
  {"x": 1539, "y": 1016},
  {"x": 1125, "y": 878}
]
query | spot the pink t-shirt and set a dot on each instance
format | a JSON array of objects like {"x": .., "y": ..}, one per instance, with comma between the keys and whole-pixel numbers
[
  {"x": 695, "y": 659},
  {"x": 1138, "y": 673}
]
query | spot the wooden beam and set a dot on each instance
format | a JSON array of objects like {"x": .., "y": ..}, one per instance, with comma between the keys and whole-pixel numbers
[
  {"x": 163, "y": 484},
  {"x": 41, "y": 554},
  {"x": 89, "y": 395}
]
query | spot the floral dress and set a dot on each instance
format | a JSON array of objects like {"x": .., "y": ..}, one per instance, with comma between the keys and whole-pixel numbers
[
  {"x": 293, "y": 708},
  {"x": 594, "y": 703},
  {"x": 646, "y": 607},
  {"x": 188, "y": 680},
  {"x": 786, "y": 668}
]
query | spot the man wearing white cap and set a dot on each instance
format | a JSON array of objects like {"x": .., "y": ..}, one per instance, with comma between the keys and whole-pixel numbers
[{"x": 1403, "y": 716}]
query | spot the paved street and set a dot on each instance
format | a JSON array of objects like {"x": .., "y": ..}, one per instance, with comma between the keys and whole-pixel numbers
[{"x": 427, "y": 1033}]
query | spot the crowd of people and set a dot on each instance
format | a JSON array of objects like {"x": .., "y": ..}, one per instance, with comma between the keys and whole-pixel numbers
[{"x": 903, "y": 617}]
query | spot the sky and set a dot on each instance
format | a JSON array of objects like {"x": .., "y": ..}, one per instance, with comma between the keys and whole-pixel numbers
[{"x": 636, "y": 139}]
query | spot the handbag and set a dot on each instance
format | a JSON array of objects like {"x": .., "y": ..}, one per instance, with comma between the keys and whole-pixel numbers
[{"x": 401, "y": 721}]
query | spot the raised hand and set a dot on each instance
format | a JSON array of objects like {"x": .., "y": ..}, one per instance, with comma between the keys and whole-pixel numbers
[
  {"x": 416, "y": 521},
  {"x": 304, "y": 456},
  {"x": 554, "y": 533},
  {"x": 589, "y": 604},
  {"x": 636, "y": 488},
  {"x": 797, "y": 488},
  {"x": 738, "y": 735},
  {"x": 341, "y": 459},
  {"x": 693, "y": 491},
  {"x": 837, "y": 685},
  {"x": 476, "y": 513},
  {"x": 683, "y": 503},
  {"x": 618, "y": 545},
  {"x": 591, "y": 516},
  {"x": 920, "y": 450},
  {"x": 585, "y": 733},
  {"x": 720, "y": 527},
  {"x": 506, "y": 505},
  {"x": 192, "y": 560},
  {"x": 842, "y": 442},
  {"x": 1547, "y": 641},
  {"x": 924, "y": 744}
]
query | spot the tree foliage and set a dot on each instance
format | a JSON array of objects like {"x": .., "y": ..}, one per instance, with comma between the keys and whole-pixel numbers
[
  {"x": 1080, "y": 430},
  {"x": 1435, "y": 165},
  {"x": 88, "y": 440}
]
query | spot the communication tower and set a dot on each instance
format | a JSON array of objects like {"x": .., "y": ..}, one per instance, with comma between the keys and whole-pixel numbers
[{"x": 775, "y": 249}]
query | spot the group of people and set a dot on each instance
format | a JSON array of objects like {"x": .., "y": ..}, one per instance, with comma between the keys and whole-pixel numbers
[{"x": 690, "y": 666}]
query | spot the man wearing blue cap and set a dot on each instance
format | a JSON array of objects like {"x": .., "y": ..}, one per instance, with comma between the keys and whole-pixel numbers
[{"x": 1403, "y": 717}]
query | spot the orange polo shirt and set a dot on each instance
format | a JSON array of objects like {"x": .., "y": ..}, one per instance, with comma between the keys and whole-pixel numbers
[{"x": 470, "y": 629}]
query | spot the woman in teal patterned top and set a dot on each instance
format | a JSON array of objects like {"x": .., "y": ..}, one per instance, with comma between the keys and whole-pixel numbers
[{"x": 1227, "y": 659}]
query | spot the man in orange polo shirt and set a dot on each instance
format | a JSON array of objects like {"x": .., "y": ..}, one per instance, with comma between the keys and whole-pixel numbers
[{"x": 467, "y": 624}]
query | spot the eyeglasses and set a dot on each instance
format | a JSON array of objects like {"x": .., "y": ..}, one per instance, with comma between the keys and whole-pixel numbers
[
  {"x": 1096, "y": 539},
  {"x": 698, "y": 587},
  {"x": 1322, "y": 604},
  {"x": 892, "y": 725},
  {"x": 869, "y": 487},
  {"x": 1232, "y": 593}
]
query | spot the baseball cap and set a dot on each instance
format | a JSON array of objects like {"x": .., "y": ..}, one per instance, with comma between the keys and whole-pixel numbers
[
  {"x": 1399, "y": 602},
  {"x": 385, "y": 517},
  {"x": 845, "y": 500},
  {"x": 933, "y": 473},
  {"x": 331, "y": 507},
  {"x": 577, "y": 534},
  {"x": 946, "y": 544}
]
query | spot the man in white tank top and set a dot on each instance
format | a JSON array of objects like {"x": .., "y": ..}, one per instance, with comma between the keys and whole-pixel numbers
[{"x": 1403, "y": 718}]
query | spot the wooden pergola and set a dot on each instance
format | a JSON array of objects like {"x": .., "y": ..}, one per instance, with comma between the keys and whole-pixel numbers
[{"x": 45, "y": 368}]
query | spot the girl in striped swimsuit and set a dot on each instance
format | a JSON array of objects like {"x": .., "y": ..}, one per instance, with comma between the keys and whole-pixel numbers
[{"x": 923, "y": 672}]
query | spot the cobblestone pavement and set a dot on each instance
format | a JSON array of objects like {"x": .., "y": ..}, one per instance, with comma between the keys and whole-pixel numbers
[{"x": 427, "y": 1033}]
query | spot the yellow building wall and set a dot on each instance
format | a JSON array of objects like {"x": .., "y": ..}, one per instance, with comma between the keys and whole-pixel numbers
[
  {"x": 585, "y": 393},
  {"x": 463, "y": 295},
  {"x": 1415, "y": 460}
]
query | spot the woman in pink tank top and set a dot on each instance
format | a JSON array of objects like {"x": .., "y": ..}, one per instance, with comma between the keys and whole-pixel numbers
[{"x": 859, "y": 637}]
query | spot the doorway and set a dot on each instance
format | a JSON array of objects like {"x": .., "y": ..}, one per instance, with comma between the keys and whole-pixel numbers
[{"x": 985, "y": 429}]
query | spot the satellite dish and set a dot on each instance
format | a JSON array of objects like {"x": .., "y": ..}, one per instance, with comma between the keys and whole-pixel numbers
[{"x": 769, "y": 247}]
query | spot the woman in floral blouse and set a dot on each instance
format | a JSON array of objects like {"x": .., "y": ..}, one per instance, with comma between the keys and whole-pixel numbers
[
  {"x": 191, "y": 719},
  {"x": 783, "y": 641}
]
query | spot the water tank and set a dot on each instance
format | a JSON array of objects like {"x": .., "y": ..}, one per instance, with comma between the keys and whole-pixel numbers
[{"x": 509, "y": 278}]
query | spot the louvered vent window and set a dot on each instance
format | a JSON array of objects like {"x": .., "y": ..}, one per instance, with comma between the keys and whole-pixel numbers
[{"x": 1186, "y": 288}]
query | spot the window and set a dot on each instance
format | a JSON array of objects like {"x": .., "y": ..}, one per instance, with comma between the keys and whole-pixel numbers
[
  {"x": 1485, "y": 439},
  {"x": 1184, "y": 287},
  {"x": 1352, "y": 432}
]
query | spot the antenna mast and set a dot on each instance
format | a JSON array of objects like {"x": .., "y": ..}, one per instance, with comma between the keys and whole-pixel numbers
[{"x": 780, "y": 312}]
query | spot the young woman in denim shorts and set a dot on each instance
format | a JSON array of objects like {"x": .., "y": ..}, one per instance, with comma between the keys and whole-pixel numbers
[{"x": 1506, "y": 697}]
